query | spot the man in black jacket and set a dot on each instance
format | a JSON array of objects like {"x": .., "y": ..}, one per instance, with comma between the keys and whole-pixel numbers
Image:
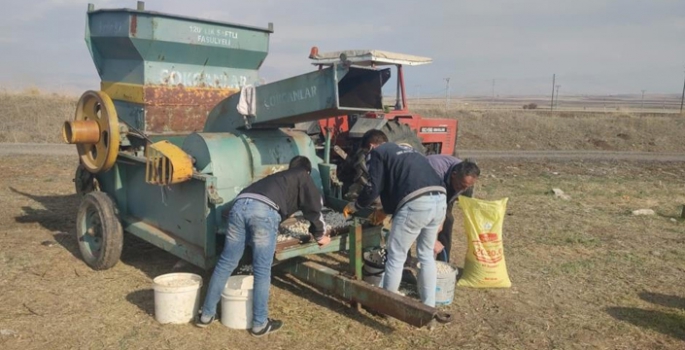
[
  {"x": 414, "y": 194},
  {"x": 254, "y": 219}
]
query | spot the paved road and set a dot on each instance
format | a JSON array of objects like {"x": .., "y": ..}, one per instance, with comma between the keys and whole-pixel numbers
[
  {"x": 66, "y": 150},
  {"x": 574, "y": 155}
]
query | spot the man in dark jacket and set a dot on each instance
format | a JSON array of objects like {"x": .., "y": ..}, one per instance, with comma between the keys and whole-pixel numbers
[
  {"x": 254, "y": 219},
  {"x": 458, "y": 177},
  {"x": 414, "y": 194}
]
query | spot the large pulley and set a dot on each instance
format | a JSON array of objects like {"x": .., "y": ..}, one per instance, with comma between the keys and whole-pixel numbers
[{"x": 94, "y": 131}]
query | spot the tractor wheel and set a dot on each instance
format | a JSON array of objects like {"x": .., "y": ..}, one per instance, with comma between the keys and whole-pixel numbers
[
  {"x": 98, "y": 231},
  {"x": 396, "y": 132},
  {"x": 400, "y": 133}
]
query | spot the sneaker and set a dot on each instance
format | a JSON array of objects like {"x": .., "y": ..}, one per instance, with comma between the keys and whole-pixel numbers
[
  {"x": 201, "y": 324},
  {"x": 271, "y": 327}
]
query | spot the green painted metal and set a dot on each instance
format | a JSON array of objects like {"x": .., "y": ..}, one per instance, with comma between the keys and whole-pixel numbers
[
  {"x": 336, "y": 90},
  {"x": 355, "y": 252},
  {"x": 145, "y": 47},
  {"x": 156, "y": 51}
]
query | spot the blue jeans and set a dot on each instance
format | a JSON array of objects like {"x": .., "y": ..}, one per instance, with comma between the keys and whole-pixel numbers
[
  {"x": 255, "y": 223},
  {"x": 418, "y": 220}
]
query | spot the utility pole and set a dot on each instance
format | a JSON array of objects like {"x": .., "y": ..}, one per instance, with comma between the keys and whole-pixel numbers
[
  {"x": 447, "y": 94},
  {"x": 682, "y": 98},
  {"x": 493, "y": 92},
  {"x": 551, "y": 106},
  {"x": 642, "y": 102},
  {"x": 558, "y": 86}
]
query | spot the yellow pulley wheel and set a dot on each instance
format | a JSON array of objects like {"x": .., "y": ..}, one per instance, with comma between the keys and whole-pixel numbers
[{"x": 95, "y": 131}]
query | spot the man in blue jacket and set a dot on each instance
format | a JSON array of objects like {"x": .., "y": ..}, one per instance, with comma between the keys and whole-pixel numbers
[{"x": 414, "y": 194}]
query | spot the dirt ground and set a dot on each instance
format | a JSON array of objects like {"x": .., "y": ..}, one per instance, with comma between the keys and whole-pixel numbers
[{"x": 586, "y": 274}]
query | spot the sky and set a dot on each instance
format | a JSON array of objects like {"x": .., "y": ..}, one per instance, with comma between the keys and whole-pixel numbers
[{"x": 594, "y": 47}]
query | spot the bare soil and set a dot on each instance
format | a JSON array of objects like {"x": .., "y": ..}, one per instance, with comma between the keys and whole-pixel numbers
[{"x": 586, "y": 274}]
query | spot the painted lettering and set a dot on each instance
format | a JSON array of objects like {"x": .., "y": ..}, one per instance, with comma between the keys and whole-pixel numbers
[
  {"x": 194, "y": 79},
  {"x": 207, "y": 35},
  {"x": 289, "y": 97}
]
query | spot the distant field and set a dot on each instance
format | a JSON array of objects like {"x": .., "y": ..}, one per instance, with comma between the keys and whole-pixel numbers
[{"x": 37, "y": 117}]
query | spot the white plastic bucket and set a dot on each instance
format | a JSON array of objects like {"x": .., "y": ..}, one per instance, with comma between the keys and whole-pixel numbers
[
  {"x": 177, "y": 297},
  {"x": 374, "y": 267},
  {"x": 236, "y": 302},
  {"x": 446, "y": 281}
]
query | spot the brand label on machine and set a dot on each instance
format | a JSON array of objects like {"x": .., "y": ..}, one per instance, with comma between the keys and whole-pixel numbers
[
  {"x": 291, "y": 96},
  {"x": 434, "y": 129}
]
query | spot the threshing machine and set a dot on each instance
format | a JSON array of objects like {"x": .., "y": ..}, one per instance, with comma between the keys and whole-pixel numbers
[
  {"x": 164, "y": 147},
  {"x": 426, "y": 135}
]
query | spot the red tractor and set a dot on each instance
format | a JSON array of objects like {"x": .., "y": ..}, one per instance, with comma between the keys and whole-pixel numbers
[{"x": 428, "y": 136}]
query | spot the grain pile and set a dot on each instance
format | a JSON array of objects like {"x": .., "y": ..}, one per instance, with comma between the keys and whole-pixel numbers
[{"x": 300, "y": 229}]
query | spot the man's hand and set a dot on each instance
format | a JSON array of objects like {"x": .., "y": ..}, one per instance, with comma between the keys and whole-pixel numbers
[
  {"x": 324, "y": 240},
  {"x": 349, "y": 209},
  {"x": 438, "y": 248},
  {"x": 377, "y": 217}
]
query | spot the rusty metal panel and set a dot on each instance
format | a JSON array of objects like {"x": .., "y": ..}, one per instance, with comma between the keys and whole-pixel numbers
[
  {"x": 400, "y": 307},
  {"x": 176, "y": 109}
]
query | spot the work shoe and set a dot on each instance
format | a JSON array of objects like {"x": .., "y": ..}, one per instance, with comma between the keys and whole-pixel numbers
[
  {"x": 199, "y": 323},
  {"x": 271, "y": 327}
]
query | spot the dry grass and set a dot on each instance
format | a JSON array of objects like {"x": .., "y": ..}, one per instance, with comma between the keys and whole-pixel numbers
[
  {"x": 32, "y": 116},
  {"x": 522, "y": 130},
  {"x": 586, "y": 274},
  {"x": 35, "y": 117}
]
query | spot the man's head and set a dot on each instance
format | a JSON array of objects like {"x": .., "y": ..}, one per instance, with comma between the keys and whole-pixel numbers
[
  {"x": 301, "y": 162},
  {"x": 373, "y": 138},
  {"x": 464, "y": 175}
]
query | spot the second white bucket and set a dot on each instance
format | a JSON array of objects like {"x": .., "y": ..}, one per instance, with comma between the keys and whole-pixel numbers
[
  {"x": 374, "y": 266},
  {"x": 177, "y": 297},
  {"x": 236, "y": 302},
  {"x": 447, "y": 280}
]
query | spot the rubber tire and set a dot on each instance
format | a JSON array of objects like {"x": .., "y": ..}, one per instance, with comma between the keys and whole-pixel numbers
[
  {"x": 111, "y": 230},
  {"x": 401, "y": 133},
  {"x": 396, "y": 133}
]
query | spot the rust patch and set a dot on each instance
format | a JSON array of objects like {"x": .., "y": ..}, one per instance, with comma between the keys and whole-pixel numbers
[
  {"x": 184, "y": 119},
  {"x": 178, "y": 109},
  {"x": 134, "y": 25}
]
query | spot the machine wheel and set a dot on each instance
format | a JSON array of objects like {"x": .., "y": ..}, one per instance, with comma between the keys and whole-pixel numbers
[
  {"x": 402, "y": 134},
  {"x": 98, "y": 231},
  {"x": 84, "y": 181},
  {"x": 96, "y": 106}
]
